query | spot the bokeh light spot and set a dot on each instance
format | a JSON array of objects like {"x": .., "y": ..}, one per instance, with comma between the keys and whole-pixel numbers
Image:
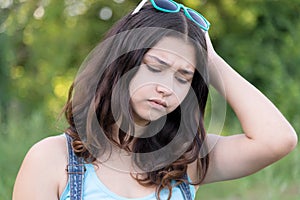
[
  {"x": 119, "y": 1},
  {"x": 105, "y": 13},
  {"x": 39, "y": 12}
]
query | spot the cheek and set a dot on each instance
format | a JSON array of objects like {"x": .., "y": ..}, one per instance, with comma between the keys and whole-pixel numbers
[
  {"x": 142, "y": 78},
  {"x": 181, "y": 93},
  {"x": 135, "y": 96},
  {"x": 178, "y": 97},
  {"x": 139, "y": 86},
  {"x": 139, "y": 95}
]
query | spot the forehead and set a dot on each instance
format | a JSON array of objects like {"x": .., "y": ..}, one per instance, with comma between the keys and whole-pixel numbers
[{"x": 175, "y": 51}]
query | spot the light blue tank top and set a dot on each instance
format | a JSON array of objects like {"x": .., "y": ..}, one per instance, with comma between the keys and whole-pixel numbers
[{"x": 94, "y": 189}]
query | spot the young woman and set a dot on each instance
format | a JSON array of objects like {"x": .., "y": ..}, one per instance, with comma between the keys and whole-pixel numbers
[{"x": 136, "y": 111}]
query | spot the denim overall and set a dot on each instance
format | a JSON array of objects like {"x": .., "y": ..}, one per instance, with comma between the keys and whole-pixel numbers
[{"x": 76, "y": 170}]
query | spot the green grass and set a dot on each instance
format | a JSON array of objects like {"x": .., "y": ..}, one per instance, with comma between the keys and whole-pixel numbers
[{"x": 276, "y": 182}]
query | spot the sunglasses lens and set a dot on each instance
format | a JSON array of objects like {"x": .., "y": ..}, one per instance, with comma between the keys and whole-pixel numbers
[
  {"x": 167, "y": 5},
  {"x": 197, "y": 18}
]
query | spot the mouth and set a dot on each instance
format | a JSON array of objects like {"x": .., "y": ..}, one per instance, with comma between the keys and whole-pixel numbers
[{"x": 158, "y": 102}]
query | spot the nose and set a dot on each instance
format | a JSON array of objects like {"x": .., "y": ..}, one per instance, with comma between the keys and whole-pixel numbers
[
  {"x": 165, "y": 84},
  {"x": 164, "y": 90}
]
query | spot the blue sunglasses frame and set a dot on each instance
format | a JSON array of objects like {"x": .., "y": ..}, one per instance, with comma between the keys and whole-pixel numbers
[{"x": 179, "y": 6}]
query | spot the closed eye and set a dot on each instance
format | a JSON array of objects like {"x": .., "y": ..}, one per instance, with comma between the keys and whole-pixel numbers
[
  {"x": 153, "y": 69},
  {"x": 184, "y": 76},
  {"x": 182, "y": 80}
]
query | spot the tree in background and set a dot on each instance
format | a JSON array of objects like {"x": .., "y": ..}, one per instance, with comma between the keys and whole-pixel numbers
[{"x": 44, "y": 42}]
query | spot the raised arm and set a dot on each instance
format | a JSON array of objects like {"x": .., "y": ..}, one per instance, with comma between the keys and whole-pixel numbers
[{"x": 267, "y": 137}]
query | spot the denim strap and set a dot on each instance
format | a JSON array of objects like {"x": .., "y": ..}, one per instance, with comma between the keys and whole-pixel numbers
[
  {"x": 75, "y": 170},
  {"x": 185, "y": 189}
]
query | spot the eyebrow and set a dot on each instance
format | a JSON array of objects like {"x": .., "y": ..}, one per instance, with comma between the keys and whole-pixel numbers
[
  {"x": 160, "y": 61},
  {"x": 182, "y": 71},
  {"x": 186, "y": 72}
]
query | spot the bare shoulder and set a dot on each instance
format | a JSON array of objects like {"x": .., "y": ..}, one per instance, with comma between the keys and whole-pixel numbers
[
  {"x": 50, "y": 151},
  {"x": 50, "y": 145},
  {"x": 44, "y": 164}
]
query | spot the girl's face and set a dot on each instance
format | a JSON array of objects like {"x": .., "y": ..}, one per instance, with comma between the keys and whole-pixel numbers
[{"x": 163, "y": 80}]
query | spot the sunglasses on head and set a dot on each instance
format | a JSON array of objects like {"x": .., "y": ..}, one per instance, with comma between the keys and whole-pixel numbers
[{"x": 171, "y": 6}]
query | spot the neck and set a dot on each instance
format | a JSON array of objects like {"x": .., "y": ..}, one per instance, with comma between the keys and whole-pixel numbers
[{"x": 139, "y": 129}]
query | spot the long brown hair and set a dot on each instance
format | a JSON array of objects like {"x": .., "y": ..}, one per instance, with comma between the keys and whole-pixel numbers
[{"x": 99, "y": 95}]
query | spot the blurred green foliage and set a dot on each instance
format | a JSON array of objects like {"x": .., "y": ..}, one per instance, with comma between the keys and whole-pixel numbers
[{"x": 42, "y": 44}]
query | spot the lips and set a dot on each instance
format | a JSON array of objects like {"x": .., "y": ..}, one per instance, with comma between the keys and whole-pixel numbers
[{"x": 158, "y": 102}]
